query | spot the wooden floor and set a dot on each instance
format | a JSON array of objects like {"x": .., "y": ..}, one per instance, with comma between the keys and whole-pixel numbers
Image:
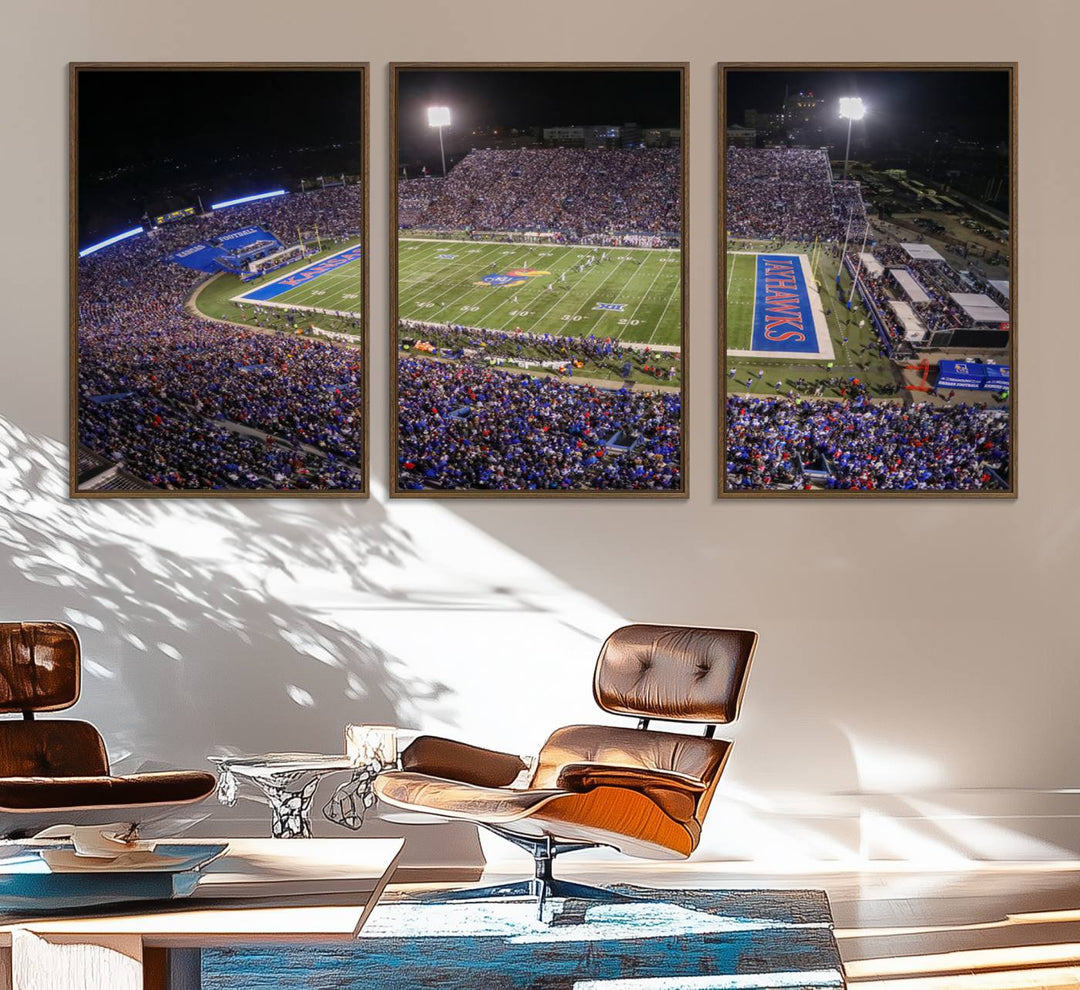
[{"x": 988, "y": 926}]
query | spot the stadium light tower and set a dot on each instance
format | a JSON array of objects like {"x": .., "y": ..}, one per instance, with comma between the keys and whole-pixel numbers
[
  {"x": 439, "y": 117},
  {"x": 852, "y": 108}
]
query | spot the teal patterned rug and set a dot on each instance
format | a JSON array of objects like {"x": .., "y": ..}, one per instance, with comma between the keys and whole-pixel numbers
[{"x": 662, "y": 940}]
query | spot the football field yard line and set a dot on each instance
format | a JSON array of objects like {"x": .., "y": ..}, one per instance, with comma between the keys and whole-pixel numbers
[
  {"x": 427, "y": 264},
  {"x": 588, "y": 298},
  {"x": 674, "y": 295},
  {"x": 536, "y": 293},
  {"x": 479, "y": 294},
  {"x": 426, "y": 268},
  {"x": 596, "y": 325},
  {"x": 740, "y": 299},
  {"x": 432, "y": 292},
  {"x": 467, "y": 295},
  {"x": 573, "y": 289},
  {"x": 330, "y": 296},
  {"x": 343, "y": 287},
  {"x": 454, "y": 276},
  {"x": 424, "y": 264},
  {"x": 450, "y": 285},
  {"x": 561, "y": 295},
  {"x": 534, "y": 285},
  {"x": 304, "y": 264},
  {"x": 645, "y": 295},
  {"x": 676, "y": 291}
]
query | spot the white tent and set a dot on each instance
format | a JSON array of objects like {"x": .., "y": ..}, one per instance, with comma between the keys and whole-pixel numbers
[
  {"x": 871, "y": 265},
  {"x": 922, "y": 252},
  {"x": 979, "y": 307},
  {"x": 911, "y": 288},
  {"x": 914, "y": 330},
  {"x": 1002, "y": 285}
]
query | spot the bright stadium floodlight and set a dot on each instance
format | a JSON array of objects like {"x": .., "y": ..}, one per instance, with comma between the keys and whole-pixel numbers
[
  {"x": 111, "y": 240},
  {"x": 439, "y": 117},
  {"x": 246, "y": 199},
  {"x": 852, "y": 108}
]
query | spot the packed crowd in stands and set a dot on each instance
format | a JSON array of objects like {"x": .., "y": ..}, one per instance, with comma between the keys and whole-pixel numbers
[
  {"x": 577, "y": 191},
  {"x": 605, "y": 354},
  {"x": 187, "y": 403},
  {"x": 414, "y": 196},
  {"x": 463, "y": 427},
  {"x": 335, "y": 210},
  {"x": 773, "y": 442},
  {"x": 783, "y": 193}
]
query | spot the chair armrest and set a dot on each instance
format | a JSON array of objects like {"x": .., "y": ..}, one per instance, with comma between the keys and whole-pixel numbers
[
  {"x": 453, "y": 760},
  {"x": 675, "y": 793}
]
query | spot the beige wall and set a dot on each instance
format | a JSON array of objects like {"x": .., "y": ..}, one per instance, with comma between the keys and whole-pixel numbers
[{"x": 917, "y": 686}]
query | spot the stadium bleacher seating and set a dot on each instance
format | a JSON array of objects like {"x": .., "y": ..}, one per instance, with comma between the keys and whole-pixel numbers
[
  {"x": 789, "y": 194},
  {"x": 576, "y": 191}
]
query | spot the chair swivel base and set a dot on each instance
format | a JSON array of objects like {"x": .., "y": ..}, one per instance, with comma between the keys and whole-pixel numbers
[
  {"x": 535, "y": 889},
  {"x": 542, "y": 885}
]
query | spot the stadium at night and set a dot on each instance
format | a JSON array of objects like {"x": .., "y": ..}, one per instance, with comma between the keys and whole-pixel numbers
[
  {"x": 867, "y": 319},
  {"x": 219, "y": 338},
  {"x": 539, "y": 281}
]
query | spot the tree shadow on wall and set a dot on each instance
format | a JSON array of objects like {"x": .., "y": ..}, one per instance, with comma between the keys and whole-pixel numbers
[{"x": 197, "y": 637}]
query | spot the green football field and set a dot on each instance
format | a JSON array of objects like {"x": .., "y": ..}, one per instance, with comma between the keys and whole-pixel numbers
[
  {"x": 739, "y": 327},
  {"x": 339, "y": 290},
  {"x": 214, "y": 298},
  {"x": 854, "y": 339},
  {"x": 635, "y": 294}
]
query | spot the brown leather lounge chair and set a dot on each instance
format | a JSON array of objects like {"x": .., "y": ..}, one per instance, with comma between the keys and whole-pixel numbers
[
  {"x": 643, "y": 792},
  {"x": 55, "y": 771}
]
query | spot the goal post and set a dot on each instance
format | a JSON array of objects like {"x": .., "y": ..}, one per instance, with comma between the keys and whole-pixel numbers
[{"x": 308, "y": 237}]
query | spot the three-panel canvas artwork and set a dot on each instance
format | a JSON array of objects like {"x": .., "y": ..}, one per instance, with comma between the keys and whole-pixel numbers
[{"x": 539, "y": 305}]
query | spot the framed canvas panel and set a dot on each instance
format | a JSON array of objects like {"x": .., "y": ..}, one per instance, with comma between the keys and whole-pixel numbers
[
  {"x": 218, "y": 283},
  {"x": 868, "y": 280},
  {"x": 538, "y": 279}
]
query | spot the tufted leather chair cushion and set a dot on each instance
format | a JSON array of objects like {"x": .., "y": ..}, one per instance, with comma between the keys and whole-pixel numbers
[
  {"x": 39, "y": 666},
  {"x": 616, "y": 745},
  {"x": 680, "y": 673},
  {"x": 76, "y": 793},
  {"x": 51, "y": 748}
]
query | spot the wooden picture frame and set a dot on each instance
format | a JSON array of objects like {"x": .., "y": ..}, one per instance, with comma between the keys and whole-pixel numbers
[
  {"x": 94, "y": 474},
  {"x": 998, "y": 486},
  {"x": 397, "y": 70}
]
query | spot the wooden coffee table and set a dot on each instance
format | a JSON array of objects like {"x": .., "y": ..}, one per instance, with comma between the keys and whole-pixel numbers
[{"x": 261, "y": 890}]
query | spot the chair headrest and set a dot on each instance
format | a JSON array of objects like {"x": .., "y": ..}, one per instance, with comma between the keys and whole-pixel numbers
[
  {"x": 39, "y": 666},
  {"x": 677, "y": 673}
]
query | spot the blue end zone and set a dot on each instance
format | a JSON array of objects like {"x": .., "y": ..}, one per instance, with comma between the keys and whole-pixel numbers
[
  {"x": 304, "y": 275},
  {"x": 782, "y": 317}
]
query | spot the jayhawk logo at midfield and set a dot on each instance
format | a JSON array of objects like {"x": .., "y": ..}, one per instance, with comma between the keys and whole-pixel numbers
[{"x": 516, "y": 276}]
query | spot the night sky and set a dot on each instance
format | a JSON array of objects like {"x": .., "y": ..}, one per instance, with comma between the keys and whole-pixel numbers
[
  {"x": 150, "y": 141},
  {"x": 969, "y": 104},
  {"x": 531, "y": 98}
]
